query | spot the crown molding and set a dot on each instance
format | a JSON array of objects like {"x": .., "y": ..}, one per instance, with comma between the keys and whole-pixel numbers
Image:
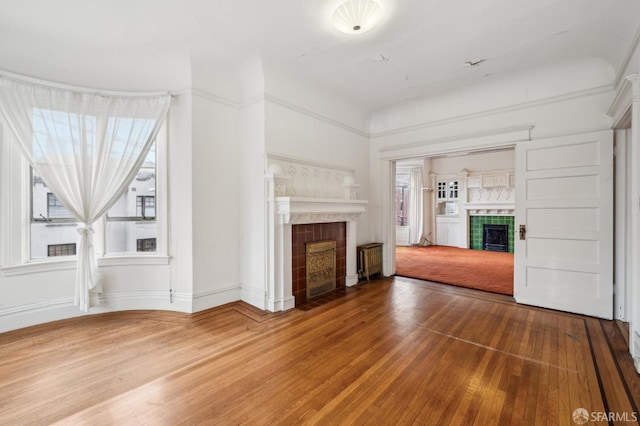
[
  {"x": 469, "y": 141},
  {"x": 635, "y": 89},
  {"x": 278, "y": 101},
  {"x": 309, "y": 113},
  {"x": 620, "y": 107},
  {"x": 627, "y": 59},
  {"x": 301, "y": 110},
  {"x": 524, "y": 105},
  {"x": 202, "y": 94}
]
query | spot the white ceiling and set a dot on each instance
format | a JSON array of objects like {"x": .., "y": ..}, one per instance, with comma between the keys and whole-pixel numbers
[{"x": 419, "y": 49}]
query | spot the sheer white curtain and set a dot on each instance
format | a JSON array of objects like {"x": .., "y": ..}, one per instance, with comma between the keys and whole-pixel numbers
[
  {"x": 87, "y": 147},
  {"x": 415, "y": 203}
]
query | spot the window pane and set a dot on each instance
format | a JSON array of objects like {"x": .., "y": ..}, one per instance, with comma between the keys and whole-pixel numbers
[
  {"x": 402, "y": 199},
  {"x": 123, "y": 236},
  {"x": 55, "y": 209},
  {"x": 44, "y": 202},
  {"x": 138, "y": 200},
  {"x": 146, "y": 244},
  {"x": 50, "y": 226},
  {"x": 47, "y": 234},
  {"x": 127, "y": 231},
  {"x": 62, "y": 249}
]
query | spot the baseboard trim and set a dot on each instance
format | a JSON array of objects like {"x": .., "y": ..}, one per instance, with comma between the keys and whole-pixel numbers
[
  {"x": 213, "y": 298},
  {"x": 254, "y": 297},
  {"x": 26, "y": 315}
]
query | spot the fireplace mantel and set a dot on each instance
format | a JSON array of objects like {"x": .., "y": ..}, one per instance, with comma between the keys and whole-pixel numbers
[
  {"x": 286, "y": 211},
  {"x": 491, "y": 209},
  {"x": 304, "y": 210},
  {"x": 302, "y": 192}
]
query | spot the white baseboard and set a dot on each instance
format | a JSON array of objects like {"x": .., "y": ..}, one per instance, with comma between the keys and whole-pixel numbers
[
  {"x": 16, "y": 317},
  {"x": 211, "y": 299},
  {"x": 351, "y": 280},
  {"x": 27, "y": 315},
  {"x": 254, "y": 297},
  {"x": 283, "y": 304}
]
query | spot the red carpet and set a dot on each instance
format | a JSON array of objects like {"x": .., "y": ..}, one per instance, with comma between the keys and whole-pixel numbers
[{"x": 482, "y": 270}]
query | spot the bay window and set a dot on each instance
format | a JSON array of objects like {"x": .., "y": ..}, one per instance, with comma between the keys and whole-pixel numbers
[{"x": 130, "y": 226}]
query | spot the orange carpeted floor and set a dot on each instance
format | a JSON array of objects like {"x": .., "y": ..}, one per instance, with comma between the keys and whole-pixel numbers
[{"x": 482, "y": 270}]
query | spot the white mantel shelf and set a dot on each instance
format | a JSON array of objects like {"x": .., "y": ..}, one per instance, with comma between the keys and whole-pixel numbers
[
  {"x": 305, "y": 210},
  {"x": 490, "y": 209}
]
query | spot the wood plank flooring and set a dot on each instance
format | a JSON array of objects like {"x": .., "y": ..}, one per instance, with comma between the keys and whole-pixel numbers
[{"x": 393, "y": 351}]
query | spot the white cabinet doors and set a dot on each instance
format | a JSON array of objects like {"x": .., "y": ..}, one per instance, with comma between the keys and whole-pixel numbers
[
  {"x": 448, "y": 231},
  {"x": 564, "y": 200},
  {"x": 447, "y": 190}
]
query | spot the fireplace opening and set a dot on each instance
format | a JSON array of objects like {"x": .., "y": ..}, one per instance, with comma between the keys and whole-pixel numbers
[
  {"x": 301, "y": 236},
  {"x": 495, "y": 237},
  {"x": 321, "y": 267}
]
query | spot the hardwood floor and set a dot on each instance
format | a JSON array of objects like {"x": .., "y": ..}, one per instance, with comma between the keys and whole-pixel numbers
[{"x": 393, "y": 351}]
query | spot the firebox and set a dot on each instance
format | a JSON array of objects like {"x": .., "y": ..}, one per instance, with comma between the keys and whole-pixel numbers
[{"x": 495, "y": 237}]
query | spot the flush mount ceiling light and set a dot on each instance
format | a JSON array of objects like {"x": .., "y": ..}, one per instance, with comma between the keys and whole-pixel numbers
[{"x": 356, "y": 16}]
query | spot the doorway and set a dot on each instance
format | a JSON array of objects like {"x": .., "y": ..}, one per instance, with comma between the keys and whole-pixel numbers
[{"x": 462, "y": 194}]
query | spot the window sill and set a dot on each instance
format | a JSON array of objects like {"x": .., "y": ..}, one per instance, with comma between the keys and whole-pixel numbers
[{"x": 36, "y": 267}]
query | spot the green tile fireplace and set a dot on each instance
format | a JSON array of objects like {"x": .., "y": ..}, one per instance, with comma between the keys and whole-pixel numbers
[{"x": 476, "y": 225}]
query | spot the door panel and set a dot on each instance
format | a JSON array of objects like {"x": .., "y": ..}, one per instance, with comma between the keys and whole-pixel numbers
[{"x": 564, "y": 190}]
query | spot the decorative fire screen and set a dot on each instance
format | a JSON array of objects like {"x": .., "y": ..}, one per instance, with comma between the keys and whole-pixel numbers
[
  {"x": 321, "y": 267},
  {"x": 495, "y": 237}
]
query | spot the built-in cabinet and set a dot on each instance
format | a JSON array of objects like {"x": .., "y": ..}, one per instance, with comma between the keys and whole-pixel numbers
[
  {"x": 448, "y": 231},
  {"x": 447, "y": 213},
  {"x": 457, "y": 196},
  {"x": 447, "y": 190},
  {"x": 447, "y": 194}
]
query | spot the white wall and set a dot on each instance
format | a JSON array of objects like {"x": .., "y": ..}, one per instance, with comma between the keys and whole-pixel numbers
[
  {"x": 216, "y": 203},
  {"x": 253, "y": 205},
  {"x": 495, "y": 160}
]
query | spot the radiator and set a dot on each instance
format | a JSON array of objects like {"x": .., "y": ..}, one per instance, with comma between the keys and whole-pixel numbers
[{"x": 369, "y": 260}]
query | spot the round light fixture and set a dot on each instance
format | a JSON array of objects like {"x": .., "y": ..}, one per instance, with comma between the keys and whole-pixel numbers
[{"x": 356, "y": 16}]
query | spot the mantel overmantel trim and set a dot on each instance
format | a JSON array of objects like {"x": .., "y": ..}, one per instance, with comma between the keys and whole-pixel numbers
[{"x": 304, "y": 210}]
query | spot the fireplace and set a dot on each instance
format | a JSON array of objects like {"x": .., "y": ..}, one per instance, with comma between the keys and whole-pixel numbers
[
  {"x": 286, "y": 270},
  {"x": 315, "y": 237},
  {"x": 319, "y": 199},
  {"x": 495, "y": 237}
]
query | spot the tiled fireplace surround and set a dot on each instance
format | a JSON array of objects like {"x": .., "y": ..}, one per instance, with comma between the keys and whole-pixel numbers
[{"x": 302, "y": 234}]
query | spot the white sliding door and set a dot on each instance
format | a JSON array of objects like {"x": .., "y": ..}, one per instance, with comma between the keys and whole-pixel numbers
[{"x": 564, "y": 201}]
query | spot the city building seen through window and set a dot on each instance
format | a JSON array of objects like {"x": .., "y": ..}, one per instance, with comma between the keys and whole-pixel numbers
[{"x": 130, "y": 225}]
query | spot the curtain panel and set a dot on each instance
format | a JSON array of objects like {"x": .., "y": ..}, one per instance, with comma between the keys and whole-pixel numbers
[
  {"x": 416, "y": 205},
  {"x": 87, "y": 148}
]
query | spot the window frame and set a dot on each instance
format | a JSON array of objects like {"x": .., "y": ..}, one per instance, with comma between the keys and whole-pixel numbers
[
  {"x": 16, "y": 211},
  {"x": 100, "y": 242},
  {"x": 161, "y": 211}
]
